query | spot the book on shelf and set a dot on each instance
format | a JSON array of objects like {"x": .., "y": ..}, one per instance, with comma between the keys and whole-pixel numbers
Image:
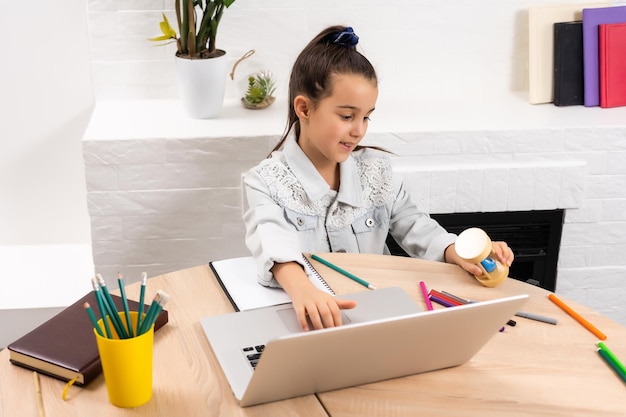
[
  {"x": 612, "y": 55},
  {"x": 568, "y": 64},
  {"x": 541, "y": 20},
  {"x": 65, "y": 347},
  {"x": 238, "y": 279},
  {"x": 592, "y": 19}
]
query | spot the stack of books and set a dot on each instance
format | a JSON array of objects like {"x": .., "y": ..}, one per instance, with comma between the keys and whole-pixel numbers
[{"x": 577, "y": 55}]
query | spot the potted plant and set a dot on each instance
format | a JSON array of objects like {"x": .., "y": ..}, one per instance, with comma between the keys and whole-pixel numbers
[
  {"x": 260, "y": 92},
  {"x": 200, "y": 65}
]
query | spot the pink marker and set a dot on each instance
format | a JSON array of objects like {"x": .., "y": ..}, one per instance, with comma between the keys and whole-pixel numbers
[{"x": 429, "y": 305}]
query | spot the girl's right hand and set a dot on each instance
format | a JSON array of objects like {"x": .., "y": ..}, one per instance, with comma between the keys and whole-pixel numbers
[
  {"x": 318, "y": 307},
  {"x": 310, "y": 304}
]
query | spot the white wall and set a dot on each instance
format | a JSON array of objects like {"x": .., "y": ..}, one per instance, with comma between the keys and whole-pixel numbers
[
  {"x": 46, "y": 98},
  {"x": 411, "y": 42}
]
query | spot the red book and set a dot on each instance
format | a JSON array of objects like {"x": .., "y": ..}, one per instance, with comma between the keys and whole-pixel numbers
[{"x": 612, "y": 55}]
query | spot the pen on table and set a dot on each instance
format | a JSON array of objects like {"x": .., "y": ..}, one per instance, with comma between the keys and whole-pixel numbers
[
  {"x": 613, "y": 358},
  {"x": 38, "y": 396},
  {"x": 344, "y": 272},
  {"x": 429, "y": 305},
  {"x": 577, "y": 316},
  {"x": 536, "y": 317}
]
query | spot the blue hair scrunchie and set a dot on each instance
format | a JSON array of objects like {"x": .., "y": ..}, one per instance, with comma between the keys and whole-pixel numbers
[{"x": 346, "y": 38}]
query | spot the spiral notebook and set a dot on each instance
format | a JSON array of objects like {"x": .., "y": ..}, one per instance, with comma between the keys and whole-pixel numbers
[{"x": 238, "y": 279}]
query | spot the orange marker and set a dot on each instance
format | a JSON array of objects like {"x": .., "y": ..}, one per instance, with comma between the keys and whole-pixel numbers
[{"x": 577, "y": 316}]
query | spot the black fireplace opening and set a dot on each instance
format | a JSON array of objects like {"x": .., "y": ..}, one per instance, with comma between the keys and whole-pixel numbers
[{"x": 534, "y": 236}]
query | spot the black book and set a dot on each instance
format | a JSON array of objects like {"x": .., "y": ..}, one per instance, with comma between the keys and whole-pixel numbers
[{"x": 569, "y": 84}]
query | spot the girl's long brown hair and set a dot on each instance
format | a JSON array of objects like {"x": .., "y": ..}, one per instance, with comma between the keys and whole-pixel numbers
[{"x": 312, "y": 72}]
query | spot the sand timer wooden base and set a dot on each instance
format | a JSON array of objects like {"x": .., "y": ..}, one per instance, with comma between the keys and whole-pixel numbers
[{"x": 473, "y": 245}]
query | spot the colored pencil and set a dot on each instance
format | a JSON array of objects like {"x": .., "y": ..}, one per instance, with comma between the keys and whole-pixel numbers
[
  {"x": 41, "y": 412},
  {"x": 424, "y": 290},
  {"x": 611, "y": 355},
  {"x": 100, "y": 302},
  {"x": 577, "y": 317},
  {"x": 153, "y": 311},
  {"x": 93, "y": 318},
  {"x": 120, "y": 283},
  {"x": 440, "y": 301},
  {"x": 609, "y": 361},
  {"x": 450, "y": 300},
  {"x": 111, "y": 308},
  {"x": 344, "y": 272},
  {"x": 459, "y": 299},
  {"x": 142, "y": 294}
]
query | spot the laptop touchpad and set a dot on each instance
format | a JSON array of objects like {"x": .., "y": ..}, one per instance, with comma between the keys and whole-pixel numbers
[{"x": 288, "y": 316}]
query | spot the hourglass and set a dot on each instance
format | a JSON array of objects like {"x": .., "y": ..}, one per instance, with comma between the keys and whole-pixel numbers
[{"x": 473, "y": 245}]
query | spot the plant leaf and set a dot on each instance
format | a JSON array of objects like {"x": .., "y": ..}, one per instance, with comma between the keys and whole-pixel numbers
[
  {"x": 160, "y": 38},
  {"x": 166, "y": 28}
]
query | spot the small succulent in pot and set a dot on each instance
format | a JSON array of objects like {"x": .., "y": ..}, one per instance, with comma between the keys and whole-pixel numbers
[{"x": 261, "y": 87}]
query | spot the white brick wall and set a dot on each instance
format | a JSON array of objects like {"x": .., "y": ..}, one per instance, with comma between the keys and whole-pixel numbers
[
  {"x": 411, "y": 43},
  {"x": 163, "y": 194},
  {"x": 163, "y": 203}
]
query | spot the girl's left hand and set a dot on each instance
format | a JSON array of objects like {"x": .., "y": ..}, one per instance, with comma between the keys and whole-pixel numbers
[{"x": 501, "y": 250}]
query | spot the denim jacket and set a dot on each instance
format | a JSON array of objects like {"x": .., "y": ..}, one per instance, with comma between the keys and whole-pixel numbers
[{"x": 291, "y": 210}]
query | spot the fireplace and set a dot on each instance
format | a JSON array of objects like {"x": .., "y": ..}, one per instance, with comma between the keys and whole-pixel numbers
[{"x": 534, "y": 236}]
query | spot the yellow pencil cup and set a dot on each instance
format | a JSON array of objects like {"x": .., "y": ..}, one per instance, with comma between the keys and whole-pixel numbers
[{"x": 126, "y": 364}]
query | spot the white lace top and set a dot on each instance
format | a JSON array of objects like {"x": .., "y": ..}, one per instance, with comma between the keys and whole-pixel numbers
[{"x": 291, "y": 210}]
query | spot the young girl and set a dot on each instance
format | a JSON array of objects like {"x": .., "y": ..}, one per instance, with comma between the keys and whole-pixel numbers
[{"x": 319, "y": 191}]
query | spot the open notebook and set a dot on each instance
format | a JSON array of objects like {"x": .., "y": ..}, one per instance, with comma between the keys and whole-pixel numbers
[{"x": 238, "y": 278}]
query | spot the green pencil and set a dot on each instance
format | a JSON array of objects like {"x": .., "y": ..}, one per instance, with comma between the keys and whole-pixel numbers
[
  {"x": 153, "y": 312},
  {"x": 93, "y": 318},
  {"x": 103, "y": 314},
  {"x": 120, "y": 283},
  {"x": 142, "y": 294},
  {"x": 614, "y": 359},
  {"x": 609, "y": 361},
  {"x": 344, "y": 272},
  {"x": 111, "y": 309}
]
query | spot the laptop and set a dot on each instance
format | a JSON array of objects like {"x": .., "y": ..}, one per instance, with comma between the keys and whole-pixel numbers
[{"x": 266, "y": 357}]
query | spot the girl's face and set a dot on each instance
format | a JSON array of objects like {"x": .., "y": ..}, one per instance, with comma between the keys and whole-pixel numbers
[{"x": 333, "y": 128}]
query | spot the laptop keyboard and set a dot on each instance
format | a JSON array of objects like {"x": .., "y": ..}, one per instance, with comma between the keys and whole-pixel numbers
[{"x": 253, "y": 354}]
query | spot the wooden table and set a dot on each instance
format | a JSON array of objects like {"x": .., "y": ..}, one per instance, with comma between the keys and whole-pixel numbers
[
  {"x": 532, "y": 369},
  {"x": 187, "y": 380}
]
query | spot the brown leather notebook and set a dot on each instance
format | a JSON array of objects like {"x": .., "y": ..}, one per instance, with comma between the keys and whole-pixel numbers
[{"x": 64, "y": 347}]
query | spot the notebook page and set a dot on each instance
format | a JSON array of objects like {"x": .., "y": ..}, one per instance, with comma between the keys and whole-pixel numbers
[{"x": 238, "y": 278}]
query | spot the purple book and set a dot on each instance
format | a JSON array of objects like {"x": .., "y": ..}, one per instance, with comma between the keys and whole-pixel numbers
[{"x": 591, "y": 19}]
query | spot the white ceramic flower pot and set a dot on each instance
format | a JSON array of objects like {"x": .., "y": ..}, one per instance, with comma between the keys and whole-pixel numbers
[{"x": 201, "y": 84}]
